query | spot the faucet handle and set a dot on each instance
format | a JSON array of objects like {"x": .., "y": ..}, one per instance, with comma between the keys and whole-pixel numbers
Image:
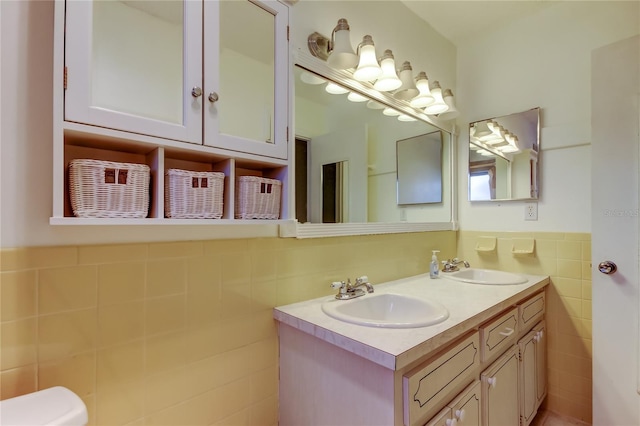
[
  {"x": 362, "y": 279},
  {"x": 337, "y": 284}
]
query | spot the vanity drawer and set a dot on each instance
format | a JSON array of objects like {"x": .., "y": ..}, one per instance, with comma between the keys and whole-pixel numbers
[
  {"x": 426, "y": 387},
  {"x": 498, "y": 334},
  {"x": 531, "y": 311}
]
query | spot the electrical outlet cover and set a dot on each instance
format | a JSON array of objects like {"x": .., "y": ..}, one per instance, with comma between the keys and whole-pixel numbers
[{"x": 531, "y": 211}]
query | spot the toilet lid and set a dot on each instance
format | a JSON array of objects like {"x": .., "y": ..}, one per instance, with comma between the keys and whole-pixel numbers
[{"x": 54, "y": 406}]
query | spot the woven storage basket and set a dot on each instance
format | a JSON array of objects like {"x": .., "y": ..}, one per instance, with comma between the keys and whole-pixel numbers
[
  {"x": 108, "y": 189},
  {"x": 257, "y": 198},
  {"x": 193, "y": 195}
]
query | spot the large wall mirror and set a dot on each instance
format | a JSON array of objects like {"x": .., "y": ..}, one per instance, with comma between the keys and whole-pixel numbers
[
  {"x": 504, "y": 157},
  {"x": 349, "y": 140}
]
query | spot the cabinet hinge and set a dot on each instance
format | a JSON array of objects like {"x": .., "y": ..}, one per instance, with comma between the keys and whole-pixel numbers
[
  {"x": 287, "y": 133},
  {"x": 64, "y": 79},
  {"x": 287, "y": 33}
]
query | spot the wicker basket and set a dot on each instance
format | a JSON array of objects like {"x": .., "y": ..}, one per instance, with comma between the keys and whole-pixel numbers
[
  {"x": 108, "y": 189},
  {"x": 257, "y": 198},
  {"x": 193, "y": 195}
]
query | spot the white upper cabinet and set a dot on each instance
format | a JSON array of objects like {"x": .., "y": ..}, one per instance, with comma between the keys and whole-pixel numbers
[
  {"x": 133, "y": 65},
  {"x": 213, "y": 73},
  {"x": 246, "y": 74}
]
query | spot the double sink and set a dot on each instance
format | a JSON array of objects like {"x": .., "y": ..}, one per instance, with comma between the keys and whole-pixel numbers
[{"x": 393, "y": 310}]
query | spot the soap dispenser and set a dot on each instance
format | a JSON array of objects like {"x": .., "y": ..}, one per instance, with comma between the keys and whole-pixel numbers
[{"x": 434, "y": 266}]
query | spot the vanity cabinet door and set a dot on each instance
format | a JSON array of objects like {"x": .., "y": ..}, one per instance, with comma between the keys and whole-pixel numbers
[
  {"x": 532, "y": 372},
  {"x": 135, "y": 67},
  {"x": 500, "y": 391},
  {"x": 246, "y": 71},
  {"x": 466, "y": 408}
]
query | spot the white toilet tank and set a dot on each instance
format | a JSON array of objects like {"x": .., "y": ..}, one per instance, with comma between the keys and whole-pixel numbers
[{"x": 56, "y": 406}]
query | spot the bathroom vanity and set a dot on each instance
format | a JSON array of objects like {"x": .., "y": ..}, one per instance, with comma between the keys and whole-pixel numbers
[{"x": 483, "y": 365}]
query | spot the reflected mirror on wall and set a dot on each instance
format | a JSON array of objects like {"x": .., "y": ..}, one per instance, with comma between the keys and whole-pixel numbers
[
  {"x": 338, "y": 126},
  {"x": 504, "y": 157},
  {"x": 419, "y": 169}
]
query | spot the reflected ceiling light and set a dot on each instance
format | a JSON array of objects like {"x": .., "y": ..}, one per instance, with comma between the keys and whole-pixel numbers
[
  {"x": 334, "y": 89},
  {"x": 374, "y": 105},
  {"x": 481, "y": 129},
  {"x": 310, "y": 78},
  {"x": 368, "y": 67},
  {"x": 452, "y": 112},
  {"x": 438, "y": 106},
  {"x": 391, "y": 112},
  {"x": 357, "y": 97},
  {"x": 406, "y": 118},
  {"x": 388, "y": 80},
  {"x": 408, "y": 89},
  {"x": 424, "y": 97}
]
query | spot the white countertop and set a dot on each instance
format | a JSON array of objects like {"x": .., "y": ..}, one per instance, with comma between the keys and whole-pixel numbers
[{"x": 469, "y": 305}]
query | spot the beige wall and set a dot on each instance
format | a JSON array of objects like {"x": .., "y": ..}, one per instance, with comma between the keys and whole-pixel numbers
[
  {"x": 566, "y": 258},
  {"x": 175, "y": 333}
]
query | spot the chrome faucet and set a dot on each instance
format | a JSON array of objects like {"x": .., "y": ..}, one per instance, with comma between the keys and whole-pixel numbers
[
  {"x": 347, "y": 291},
  {"x": 451, "y": 265}
]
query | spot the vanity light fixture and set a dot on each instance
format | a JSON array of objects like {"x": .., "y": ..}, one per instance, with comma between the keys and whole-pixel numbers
[
  {"x": 406, "y": 118},
  {"x": 374, "y": 105},
  {"x": 368, "y": 67},
  {"x": 337, "y": 51},
  {"x": 438, "y": 106},
  {"x": 408, "y": 90},
  {"x": 452, "y": 112},
  {"x": 424, "y": 97},
  {"x": 388, "y": 80}
]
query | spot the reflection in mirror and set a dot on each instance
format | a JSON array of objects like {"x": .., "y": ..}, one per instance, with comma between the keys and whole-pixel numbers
[
  {"x": 503, "y": 157},
  {"x": 420, "y": 169},
  {"x": 346, "y": 126},
  {"x": 335, "y": 192},
  {"x": 128, "y": 73}
]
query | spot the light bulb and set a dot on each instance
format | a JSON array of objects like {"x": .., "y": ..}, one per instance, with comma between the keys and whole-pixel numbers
[
  {"x": 408, "y": 89},
  {"x": 424, "y": 97},
  {"x": 406, "y": 118},
  {"x": 452, "y": 112},
  {"x": 388, "y": 80},
  {"x": 368, "y": 67},
  {"x": 391, "y": 112},
  {"x": 438, "y": 106},
  {"x": 374, "y": 105},
  {"x": 342, "y": 56}
]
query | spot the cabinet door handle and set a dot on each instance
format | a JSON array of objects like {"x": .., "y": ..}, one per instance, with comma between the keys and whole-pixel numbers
[
  {"x": 213, "y": 97},
  {"x": 196, "y": 92},
  {"x": 492, "y": 381},
  {"x": 509, "y": 332}
]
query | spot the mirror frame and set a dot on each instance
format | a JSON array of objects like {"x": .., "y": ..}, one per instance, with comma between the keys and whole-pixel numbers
[
  {"x": 536, "y": 174},
  {"x": 292, "y": 228}
]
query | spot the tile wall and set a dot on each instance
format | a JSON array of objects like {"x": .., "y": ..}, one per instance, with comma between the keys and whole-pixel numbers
[
  {"x": 175, "y": 333},
  {"x": 566, "y": 258}
]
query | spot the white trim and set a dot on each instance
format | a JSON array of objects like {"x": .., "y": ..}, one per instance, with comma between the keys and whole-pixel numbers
[{"x": 294, "y": 229}]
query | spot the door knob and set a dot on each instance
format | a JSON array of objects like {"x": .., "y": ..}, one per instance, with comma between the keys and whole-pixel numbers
[{"x": 607, "y": 267}]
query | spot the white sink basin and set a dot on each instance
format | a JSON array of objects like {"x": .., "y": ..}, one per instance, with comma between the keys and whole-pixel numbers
[
  {"x": 485, "y": 276},
  {"x": 387, "y": 310}
]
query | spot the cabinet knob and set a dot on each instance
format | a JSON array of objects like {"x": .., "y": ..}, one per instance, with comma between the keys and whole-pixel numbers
[
  {"x": 451, "y": 422},
  {"x": 492, "y": 381},
  {"x": 196, "y": 92},
  {"x": 213, "y": 97},
  {"x": 460, "y": 415}
]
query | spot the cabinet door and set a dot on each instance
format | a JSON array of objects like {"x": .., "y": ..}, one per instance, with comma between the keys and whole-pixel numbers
[
  {"x": 528, "y": 376},
  {"x": 466, "y": 408},
  {"x": 541, "y": 362},
  {"x": 246, "y": 67},
  {"x": 133, "y": 66},
  {"x": 500, "y": 391},
  {"x": 443, "y": 418}
]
